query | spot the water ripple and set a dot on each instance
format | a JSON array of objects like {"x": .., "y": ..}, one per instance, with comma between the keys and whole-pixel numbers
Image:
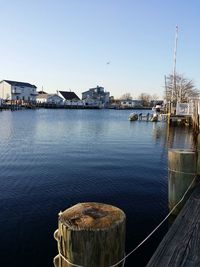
[{"x": 52, "y": 159}]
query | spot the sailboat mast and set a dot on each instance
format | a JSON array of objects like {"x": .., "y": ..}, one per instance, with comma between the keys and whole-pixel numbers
[{"x": 174, "y": 92}]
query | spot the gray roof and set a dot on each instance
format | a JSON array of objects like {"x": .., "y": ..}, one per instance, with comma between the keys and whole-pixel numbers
[
  {"x": 15, "y": 83},
  {"x": 94, "y": 88},
  {"x": 45, "y": 96},
  {"x": 69, "y": 95}
]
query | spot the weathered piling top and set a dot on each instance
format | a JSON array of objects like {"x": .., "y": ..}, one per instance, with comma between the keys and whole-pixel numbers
[
  {"x": 91, "y": 216},
  {"x": 87, "y": 235},
  {"x": 181, "y": 245},
  {"x": 183, "y": 160}
]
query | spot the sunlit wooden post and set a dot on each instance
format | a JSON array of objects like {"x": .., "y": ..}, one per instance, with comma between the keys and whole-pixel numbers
[
  {"x": 182, "y": 171},
  {"x": 198, "y": 154},
  {"x": 90, "y": 235}
]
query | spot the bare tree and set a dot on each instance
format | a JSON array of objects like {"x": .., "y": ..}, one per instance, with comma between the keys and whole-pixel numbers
[
  {"x": 126, "y": 96},
  {"x": 180, "y": 89},
  {"x": 154, "y": 97},
  {"x": 145, "y": 99}
]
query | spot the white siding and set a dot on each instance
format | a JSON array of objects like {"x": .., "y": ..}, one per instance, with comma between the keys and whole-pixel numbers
[
  {"x": 130, "y": 103},
  {"x": 92, "y": 102},
  {"x": 41, "y": 100},
  {"x": 24, "y": 93},
  {"x": 5, "y": 90},
  {"x": 51, "y": 99},
  {"x": 55, "y": 99},
  {"x": 8, "y": 92},
  {"x": 73, "y": 103}
]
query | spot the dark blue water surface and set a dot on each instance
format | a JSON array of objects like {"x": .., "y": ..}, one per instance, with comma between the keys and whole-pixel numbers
[{"x": 53, "y": 159}]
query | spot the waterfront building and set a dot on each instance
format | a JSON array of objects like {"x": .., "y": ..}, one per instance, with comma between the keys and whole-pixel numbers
[
  {"x": 114, "y": 103},
  {"x": 97, "y": 97},
  {"x": 49, "y": 98},
  {"x": 42, "y": 92},
  {"x": 14, "y": 91},
  {"x": 70, "y": 98},
  {"x": 130, "y": 103}
]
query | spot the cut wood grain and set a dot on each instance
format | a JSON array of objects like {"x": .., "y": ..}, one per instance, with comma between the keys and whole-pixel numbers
[{"x": 91, "y": 235}]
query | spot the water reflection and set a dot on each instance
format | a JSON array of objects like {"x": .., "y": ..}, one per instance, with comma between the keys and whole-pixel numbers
[
  {"x": 173, "y": 137},
  {"x": 56, "y": 158},
  {"x": 6, "y": 125}
]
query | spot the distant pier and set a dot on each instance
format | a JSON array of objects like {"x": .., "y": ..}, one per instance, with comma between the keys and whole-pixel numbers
[{"x": 180, "y": 120}]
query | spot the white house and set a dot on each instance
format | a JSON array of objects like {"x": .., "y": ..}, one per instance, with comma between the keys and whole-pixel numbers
[
  {"x": 129, "y": 103},
  {"x": 96, "y": 97},
  {"x": 49, "y": 99},
  {"x": 12, "y": 90}
]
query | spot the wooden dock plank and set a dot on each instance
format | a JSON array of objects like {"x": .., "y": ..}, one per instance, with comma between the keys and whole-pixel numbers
[{"x": 181, "y": 245}]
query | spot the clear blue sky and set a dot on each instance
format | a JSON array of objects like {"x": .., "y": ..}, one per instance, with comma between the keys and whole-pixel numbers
[{"x": 65, "y": 44}]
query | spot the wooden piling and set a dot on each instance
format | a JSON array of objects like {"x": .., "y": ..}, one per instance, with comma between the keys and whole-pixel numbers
[
  {"x": 182, "y": 170},
  {"x": 198, "y": 154},
  {"x": 90, "y": 235}
]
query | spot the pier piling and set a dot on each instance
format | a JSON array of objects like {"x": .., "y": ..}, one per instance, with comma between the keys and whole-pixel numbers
[
  {"x": 182, "y": 165},
  {"x": 198, "y": 154},
  {"x": 90, "y": 234}
]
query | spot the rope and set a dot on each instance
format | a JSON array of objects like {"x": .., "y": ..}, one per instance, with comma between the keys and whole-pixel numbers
[
  {"x": 65, "y": 259},
  {"x": 76, "y": 265},
  {"x": 188, "y": 173},
  {"x": 142, "y": 242}
]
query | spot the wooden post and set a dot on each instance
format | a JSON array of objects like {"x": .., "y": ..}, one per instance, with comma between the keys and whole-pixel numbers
[
  {"x": 182, "y": 170},
  {"x": 91, "y": 235},
  {"x": 198, "y": 154}
]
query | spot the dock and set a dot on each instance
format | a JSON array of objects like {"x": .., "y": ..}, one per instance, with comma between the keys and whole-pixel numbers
[
  {"x": 181, "y": 244},
  {"x": 180, "y": 120}
]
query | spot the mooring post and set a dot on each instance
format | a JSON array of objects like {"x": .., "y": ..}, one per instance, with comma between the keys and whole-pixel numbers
[
  {"x": 198, "y": 154},
  {"x": 91, "y": 235},
  {"x": 182, "y": 168}
]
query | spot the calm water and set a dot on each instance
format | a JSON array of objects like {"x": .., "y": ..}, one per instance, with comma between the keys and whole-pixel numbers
[{"x": 52, "y": 159}]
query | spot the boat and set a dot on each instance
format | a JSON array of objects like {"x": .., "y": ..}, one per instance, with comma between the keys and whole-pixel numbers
[
  {"x": 133, "y": 117},
  {"x": 157, "y": 108},
  {"x": 155, "y": 117}
]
